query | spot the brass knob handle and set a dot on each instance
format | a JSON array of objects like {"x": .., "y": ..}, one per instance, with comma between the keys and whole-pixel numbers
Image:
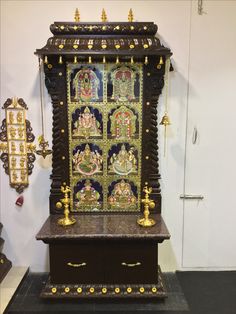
[
  {"x": 130, "y": 264},
  {"x": 76, "y": 265}
]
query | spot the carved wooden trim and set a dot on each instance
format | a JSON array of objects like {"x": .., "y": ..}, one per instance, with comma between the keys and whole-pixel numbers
[
  {"x": 153, "y": 85},
  {"x": 55, "y": 81},
  {"x": 90, "y": 291}
]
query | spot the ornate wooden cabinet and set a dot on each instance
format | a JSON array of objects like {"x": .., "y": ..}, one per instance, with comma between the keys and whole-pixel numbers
[{"x": 104, "y": 80}]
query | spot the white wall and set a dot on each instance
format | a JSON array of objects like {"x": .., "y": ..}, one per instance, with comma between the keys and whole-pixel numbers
[{"x": 25, "y": 27}]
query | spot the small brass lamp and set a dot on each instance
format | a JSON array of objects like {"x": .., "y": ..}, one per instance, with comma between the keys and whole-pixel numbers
[
  {"x": 66, "y": 221},
  {"x": 148, "y": 203}
]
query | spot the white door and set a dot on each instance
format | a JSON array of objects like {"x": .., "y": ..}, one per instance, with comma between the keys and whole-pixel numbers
[{"x": 209, "y": 231}]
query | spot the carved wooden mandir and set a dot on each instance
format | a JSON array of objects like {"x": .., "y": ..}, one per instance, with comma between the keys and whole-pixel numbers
[{"x": 104, "y": 80}]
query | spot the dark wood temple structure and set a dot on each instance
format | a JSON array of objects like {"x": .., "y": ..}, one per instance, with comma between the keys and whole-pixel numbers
[
  {"x": 104, "y": 80},
  {"x": 5, "y": 264}
]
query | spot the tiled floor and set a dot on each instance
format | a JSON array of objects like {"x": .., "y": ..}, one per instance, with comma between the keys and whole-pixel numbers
[
  {"x": 10, "y": 284},
  {"x": 27, "y": 300}
]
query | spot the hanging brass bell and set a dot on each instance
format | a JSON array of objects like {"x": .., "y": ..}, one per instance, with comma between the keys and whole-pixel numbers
[{"x": 165, "y": 120}]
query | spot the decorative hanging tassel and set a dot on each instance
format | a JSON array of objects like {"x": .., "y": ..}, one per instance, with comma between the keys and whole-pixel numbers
[
  {"x": 132, "y": 60},
  {"x": 146, "y": 60},
  {"x": 46, "y": 59},
  {"x": 165, "y": 121},
  {"x": 117, "y": 60},
  {"x": 20, "y": 201},
  {"x": 104, "y": 59},
  {"x": 75, "y": 59}
]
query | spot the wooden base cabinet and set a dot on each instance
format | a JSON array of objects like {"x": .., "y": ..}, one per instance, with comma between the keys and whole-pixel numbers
[{"x": 120, "y": 263}]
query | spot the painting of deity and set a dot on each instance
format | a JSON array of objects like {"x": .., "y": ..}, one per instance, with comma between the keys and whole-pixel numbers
[
  {"x": 123, "y": 84},
  {"x": 87, "y": 159},
  {"x": 122, "y": 159},
  {"x": 122, "y": 194},
  {"x": 88, "y": 195},
  {"x": 123, "y": 123},
  {"x": 86, "y": 83},
  {"x": 86, "y": 123}
]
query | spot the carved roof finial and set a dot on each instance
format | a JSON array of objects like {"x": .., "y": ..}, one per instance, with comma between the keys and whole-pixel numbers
[
  {"x": 104, "y": 16},
  {"x": 77, "y": 15},
  {"x": 130, "y": 16}
]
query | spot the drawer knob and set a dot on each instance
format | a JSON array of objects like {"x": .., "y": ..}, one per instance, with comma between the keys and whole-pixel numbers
[
  {"x": 76, "y": 265},
  {"x": 130, "y": 264}
]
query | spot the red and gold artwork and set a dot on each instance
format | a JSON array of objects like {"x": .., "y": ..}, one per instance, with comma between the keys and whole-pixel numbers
[{"x": 86, "y": 85}]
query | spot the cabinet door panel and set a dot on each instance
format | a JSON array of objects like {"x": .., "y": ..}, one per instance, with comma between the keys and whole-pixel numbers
[
  {"x": 76, "y": 263},
  {"x": 131, "y": 263}
]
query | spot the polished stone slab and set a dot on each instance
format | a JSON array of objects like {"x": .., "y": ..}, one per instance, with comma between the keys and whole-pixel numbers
[{"x": 103, "y": 226}]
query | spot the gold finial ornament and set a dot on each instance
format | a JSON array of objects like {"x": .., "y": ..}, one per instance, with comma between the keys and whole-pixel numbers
[
  {"x": 104, "y": 16},
  {"x": 131, "y": 16},
  {"x": 66, "y": 221},
  {"x": 146, "y": 221},
  {"x": 77, "y": 15},
  {"x": 146, "y": 60}
]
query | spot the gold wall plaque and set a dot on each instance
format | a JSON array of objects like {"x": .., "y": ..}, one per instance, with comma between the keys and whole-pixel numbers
[{"x": 17, "y": 148}]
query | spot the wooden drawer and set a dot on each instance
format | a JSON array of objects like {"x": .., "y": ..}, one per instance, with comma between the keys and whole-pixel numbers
[
  {"x": 76, "y": 263},
  {"x": 131, "y": 262},
  {"x": 111, "y": 262}
]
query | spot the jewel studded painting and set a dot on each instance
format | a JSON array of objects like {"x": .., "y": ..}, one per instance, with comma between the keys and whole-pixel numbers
[{"x": 105, "y": 115}]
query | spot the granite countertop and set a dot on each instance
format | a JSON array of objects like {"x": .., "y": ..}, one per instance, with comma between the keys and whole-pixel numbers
[{"x": 107, "y": 226}]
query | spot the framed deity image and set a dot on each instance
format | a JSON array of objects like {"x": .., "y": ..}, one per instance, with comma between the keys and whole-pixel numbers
[{"x": 105, "y": 136}]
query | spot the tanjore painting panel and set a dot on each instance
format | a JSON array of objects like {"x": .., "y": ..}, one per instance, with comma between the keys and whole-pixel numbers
[{"x": 105, "y": 136}]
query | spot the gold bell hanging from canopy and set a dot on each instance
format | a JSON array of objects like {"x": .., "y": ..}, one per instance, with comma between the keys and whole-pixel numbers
[{"x": 165, "y": 121}]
